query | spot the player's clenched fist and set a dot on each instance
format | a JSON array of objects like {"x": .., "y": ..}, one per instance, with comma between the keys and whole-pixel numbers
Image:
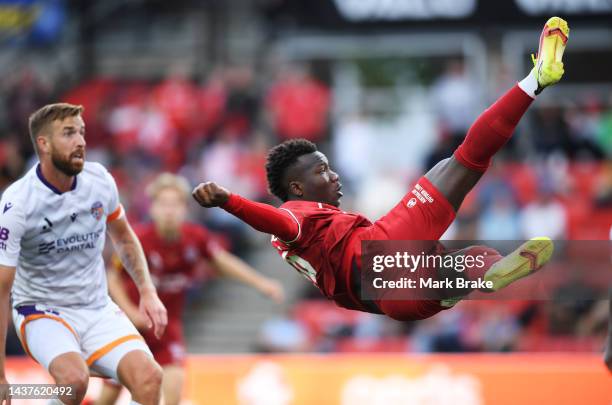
[{"x": 210, "y": 194}]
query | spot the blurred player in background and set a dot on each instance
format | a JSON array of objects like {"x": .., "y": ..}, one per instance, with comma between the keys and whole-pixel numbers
[
  {"x": 324, "y": 243},
  {"x": 52, "y": 232},
  {"x": 174, "y": 250}
]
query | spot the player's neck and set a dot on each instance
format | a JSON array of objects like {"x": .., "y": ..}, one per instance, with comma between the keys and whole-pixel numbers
[{"x": 59, "y": 181}]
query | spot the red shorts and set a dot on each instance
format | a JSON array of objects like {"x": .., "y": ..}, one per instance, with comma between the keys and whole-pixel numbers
[
  {"x": 170, "y": 349},
  {"x": 422, "y": 214}
]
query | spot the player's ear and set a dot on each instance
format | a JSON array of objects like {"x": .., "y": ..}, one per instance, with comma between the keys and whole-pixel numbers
[
  {"x": 296, "y": 188},
  {"x": 42, "y": 142}
]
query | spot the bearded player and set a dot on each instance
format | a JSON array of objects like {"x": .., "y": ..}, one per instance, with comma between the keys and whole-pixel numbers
[
  {"x": 174, "y": 249},
  {"x": 53, "y": 226},
  {"x": 324, "y": 243}
]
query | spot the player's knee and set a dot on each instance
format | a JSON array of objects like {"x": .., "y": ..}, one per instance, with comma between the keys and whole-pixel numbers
[
  {"x": 149, "y": 379},
  {"x": 75, "y": 377},
  {"x": 453, "y": 180}
]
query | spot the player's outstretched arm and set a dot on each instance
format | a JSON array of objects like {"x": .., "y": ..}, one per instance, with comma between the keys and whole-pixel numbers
[
  {"x": 7, "y": 275},
  {"x": 231, "y": 266},
  {"x": 263, "y": 217},
  {"x": 132, "y": 257}
]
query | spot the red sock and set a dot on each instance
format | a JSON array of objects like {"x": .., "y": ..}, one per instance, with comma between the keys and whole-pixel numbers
[{"x": 492, "y": 129}]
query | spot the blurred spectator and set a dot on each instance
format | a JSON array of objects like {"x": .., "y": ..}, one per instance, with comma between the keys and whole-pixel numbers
[
  {"x": 25, "y": 95},
  {"x": 499, "y": 220},
  {"x": 570, "y": 302},
  {"x": 584, "y": 125},
  {"x": 545, "y": 216},
  {"x": 499, "y": 330},
  {"x": 123, "y": 125},
  {"x": 176, "y": 97},
  {"x": 282, "y": 335},
  {"x": 551, "y": 133},
  {"x": 242, "y": 104},
  {"x": 455, "y": 98},
  {"x": 353, "y": 141},
  {"x": 212, "y": 101},
  {"x": 604, "y": 132},
  {"x": 252, "y": 166},
  {"x": 299, "y": 105},
  {"x": 158, "y": 137},
  {"x": 442, "y": 333},
  {"x": 12, "y": 163}
]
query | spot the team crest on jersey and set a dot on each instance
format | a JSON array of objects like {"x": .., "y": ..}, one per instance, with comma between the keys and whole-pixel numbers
[{"x": 97, "y": 210}]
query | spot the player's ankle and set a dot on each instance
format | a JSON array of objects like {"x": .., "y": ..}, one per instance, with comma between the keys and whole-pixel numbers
[{"x": 530, "y": 84}]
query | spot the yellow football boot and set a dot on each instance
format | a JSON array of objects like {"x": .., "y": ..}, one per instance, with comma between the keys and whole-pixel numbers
[
  {"x": 548, "y": 64},
  {"x": 527, "y": 259}
]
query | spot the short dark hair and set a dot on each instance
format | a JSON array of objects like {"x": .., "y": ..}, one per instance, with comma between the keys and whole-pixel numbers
[
  {"x": 280, "y": 158},
  {"x": 49, "y": 113}
]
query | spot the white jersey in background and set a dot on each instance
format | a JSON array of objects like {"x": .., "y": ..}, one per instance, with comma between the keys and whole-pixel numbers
[{"x": 55, "y": 240}]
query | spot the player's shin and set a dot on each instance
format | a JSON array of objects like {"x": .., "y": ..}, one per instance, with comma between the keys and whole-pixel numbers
[{"x": 492, "y": 129}]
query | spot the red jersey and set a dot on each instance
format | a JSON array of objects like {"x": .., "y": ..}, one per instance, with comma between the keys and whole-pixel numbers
[
  {"x": 320, "y": 242},
  {"x": 172, "y": 264},
  {"x": 318, "y": 250}
]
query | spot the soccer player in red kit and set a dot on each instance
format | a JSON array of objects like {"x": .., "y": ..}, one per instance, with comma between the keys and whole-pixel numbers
[
  {"x": 174, "y": 249},
  {"x": 324, "y": 243}
]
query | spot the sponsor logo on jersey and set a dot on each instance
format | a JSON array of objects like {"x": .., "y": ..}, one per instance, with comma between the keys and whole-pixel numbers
[
  {"x": 7, "y": 207},
  {"x": 97, "y": 210},
  {"x": 421, "y": 195},
  {"x": 47, "y": 228},
  {"x": 71, "y": 243},
  {"x": 46, "y": 247}
]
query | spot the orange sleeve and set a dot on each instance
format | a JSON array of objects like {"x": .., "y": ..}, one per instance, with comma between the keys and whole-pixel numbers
[{"x": 115, "y": 214}]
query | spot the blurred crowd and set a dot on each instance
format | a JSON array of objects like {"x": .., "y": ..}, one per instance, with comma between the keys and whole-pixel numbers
[{"x": 220, "y": 126}]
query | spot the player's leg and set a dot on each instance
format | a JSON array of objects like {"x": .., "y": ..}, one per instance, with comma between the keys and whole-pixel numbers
[
  {"x": 424, "y": 302},
  {"x": 109, "y": 394},
  {"x": 70, "y": 369},
  {"x": 114, "y": 348},
  {"x": 51, "y": 340},
  {"x": 170, "y": 352},
  {"x": 142, "y": 376},
  {"x": 456, "y": 176},
  {"x": 501, "y": 271},
  {"x": 172, "y": 385}
]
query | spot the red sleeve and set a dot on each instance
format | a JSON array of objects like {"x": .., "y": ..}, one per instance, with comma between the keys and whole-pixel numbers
[{"x": 264, "y": 217}]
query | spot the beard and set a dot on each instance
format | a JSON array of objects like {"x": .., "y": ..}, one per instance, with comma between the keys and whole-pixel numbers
[{"x": 65, "y": 165}]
